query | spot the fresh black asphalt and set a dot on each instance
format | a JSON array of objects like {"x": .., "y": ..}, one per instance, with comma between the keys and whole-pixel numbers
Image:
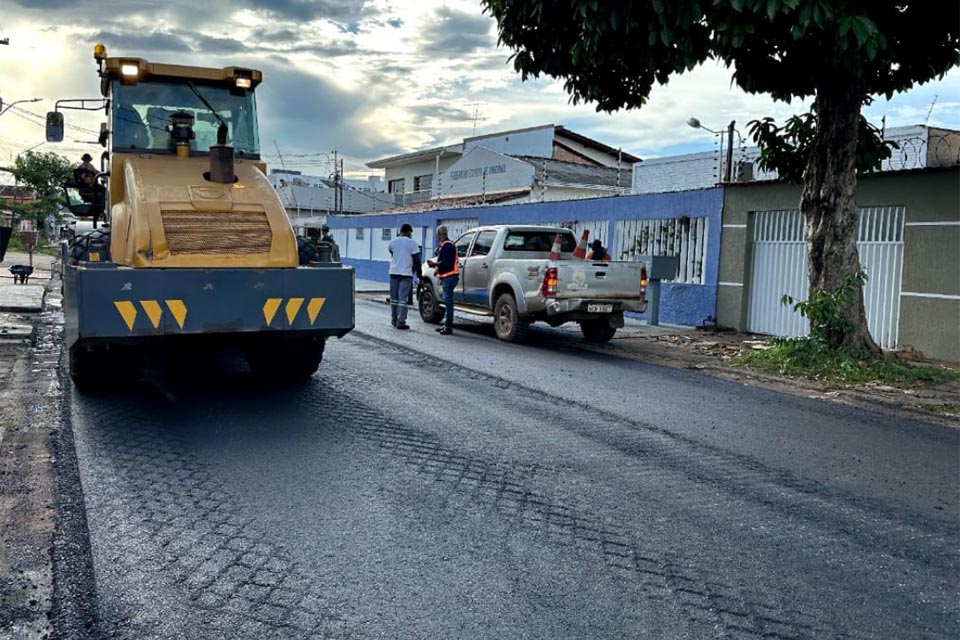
[{"x": 422, "y": 486}]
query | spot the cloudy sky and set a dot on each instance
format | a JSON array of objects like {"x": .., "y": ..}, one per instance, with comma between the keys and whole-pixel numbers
[{"x": 367, "y": 78}]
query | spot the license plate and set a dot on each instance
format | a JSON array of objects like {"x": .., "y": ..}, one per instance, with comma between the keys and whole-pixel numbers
[{"x": 599, "y": 308}]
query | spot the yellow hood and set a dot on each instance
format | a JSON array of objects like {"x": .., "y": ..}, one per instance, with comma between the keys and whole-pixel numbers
[{"x": 170, "y": 216}]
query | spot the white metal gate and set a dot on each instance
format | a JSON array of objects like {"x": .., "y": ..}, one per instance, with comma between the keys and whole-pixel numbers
[
  {"x": 686, "y": 237},
  {"x": 880, "y": 244},
  {"x": 779, "y": 266},
  {"x": 456, "y": 226}
]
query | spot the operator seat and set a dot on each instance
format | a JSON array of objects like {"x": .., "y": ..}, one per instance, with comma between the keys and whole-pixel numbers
[{"x": 159, "y": 119}]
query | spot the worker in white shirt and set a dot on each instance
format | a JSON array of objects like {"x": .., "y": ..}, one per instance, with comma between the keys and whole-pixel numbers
[{"x": 404, "y": 263}]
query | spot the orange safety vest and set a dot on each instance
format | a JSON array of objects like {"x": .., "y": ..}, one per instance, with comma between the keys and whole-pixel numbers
[{"x": 456, "y": 263}]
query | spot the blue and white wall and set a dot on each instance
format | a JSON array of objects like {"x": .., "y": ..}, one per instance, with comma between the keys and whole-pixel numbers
[{"x": 363, "y": 239}]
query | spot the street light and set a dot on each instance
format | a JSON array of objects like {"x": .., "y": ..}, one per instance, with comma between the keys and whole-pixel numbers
[
  {"x": 695, "y": 123},
  {"x": 3, "y": 109}
]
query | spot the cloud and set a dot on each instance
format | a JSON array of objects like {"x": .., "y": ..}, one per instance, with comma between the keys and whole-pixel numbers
[
  {"x": 451, "y": 32},
  {"x": 321, "y": 118},
  {"x": 325, "y": 50},
  {"x": 371, "y": 78},
  {"x": 203, "y": 42},
  {"x": 153, "y": 41},
  {"x": 44, "y": 5},
  {"x": 441, "y": 111},
  {"x": 336, "y": 10},
  {"x": 284, "y": 42}
]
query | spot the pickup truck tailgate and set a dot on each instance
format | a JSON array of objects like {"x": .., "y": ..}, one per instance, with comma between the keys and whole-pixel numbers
[{"x": 583, "y": 279}]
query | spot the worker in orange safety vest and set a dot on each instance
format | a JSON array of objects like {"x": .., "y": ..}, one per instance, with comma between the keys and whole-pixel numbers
[{"x": 447, "y": 271}]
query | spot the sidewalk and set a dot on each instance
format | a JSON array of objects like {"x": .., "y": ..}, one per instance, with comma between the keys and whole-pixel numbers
[
  {"x": 20, "y": 303},
  {"x": 30, "y": 413},
  {"x": 371, "y": 286},
  {"x": 716, "y": 353}
]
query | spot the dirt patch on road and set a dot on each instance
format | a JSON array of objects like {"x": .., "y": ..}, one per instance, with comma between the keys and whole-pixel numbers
[
  {"x": 718, "y": 353},
  {"x": 46, "y": 586},
  {"x": 27, "y": 495}
]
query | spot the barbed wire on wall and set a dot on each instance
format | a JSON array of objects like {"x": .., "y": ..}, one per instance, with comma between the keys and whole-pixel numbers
[
  {"x": 930, "y": 150},
  {"x": 914, "y": 152}
]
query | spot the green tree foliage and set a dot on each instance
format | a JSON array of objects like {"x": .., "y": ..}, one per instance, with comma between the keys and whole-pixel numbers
[
  {"x": 45, "y": 174},
  {"x": 840, "y": 52},
  {"x": 785, "y": 149},
  {"x": 612, "y": 52},
  {"x": 825, "y": 309}
]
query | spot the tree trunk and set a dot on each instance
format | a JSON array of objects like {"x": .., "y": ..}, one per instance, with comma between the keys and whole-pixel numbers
[{"x": 829, "y": 208}]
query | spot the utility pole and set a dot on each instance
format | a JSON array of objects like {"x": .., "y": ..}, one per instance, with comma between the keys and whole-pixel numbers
[
  {"x": 341, "y": 187},
  {"x": 336, "y": 182},
  {"x": 728, "y": 172},
  {"x": 337, "y": 177}
]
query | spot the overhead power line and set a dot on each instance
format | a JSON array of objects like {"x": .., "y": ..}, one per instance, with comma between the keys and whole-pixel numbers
[{"x": 41, "y": 120}]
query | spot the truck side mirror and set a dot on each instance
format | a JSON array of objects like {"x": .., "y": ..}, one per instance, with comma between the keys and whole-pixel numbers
[{"x": 54, "y": 126}]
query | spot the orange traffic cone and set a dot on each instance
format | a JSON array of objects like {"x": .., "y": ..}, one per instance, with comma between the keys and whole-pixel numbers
[
  {"x": 581, "y": 250},
  {"x": 555, "y": 251}
]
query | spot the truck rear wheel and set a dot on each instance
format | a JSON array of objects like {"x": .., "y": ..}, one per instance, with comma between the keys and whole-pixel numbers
[
  {"x": 597, "y": 330},
  {"x": 427, "y": 303},
  {"x": 285, "y": 359},
  {"x": 507, "y": 323}
]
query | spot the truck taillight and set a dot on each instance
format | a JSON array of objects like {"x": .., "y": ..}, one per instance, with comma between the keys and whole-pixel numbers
[
  {"x": 549, "y": 286},
  {"x": 643, "y": 281}
]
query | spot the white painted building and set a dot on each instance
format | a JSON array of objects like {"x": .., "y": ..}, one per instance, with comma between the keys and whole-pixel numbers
[
  {"x": 309, "y": 199},
  {"x": 539, "y": 164},
  {"x": 919, "y": 147}
]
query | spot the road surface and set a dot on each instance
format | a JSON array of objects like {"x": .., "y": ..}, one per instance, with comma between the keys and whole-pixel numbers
[{"x": 422, "y": 486}]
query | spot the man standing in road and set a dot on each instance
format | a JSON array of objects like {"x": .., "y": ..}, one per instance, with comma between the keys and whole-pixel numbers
[
  {"x": 447, "y": 272},
  {"x": 326, "y": 237},
  {"x": 404, "y": 263}
]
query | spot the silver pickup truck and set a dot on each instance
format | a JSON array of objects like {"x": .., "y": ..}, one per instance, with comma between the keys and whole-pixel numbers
[{"x": 506, "y": 272}]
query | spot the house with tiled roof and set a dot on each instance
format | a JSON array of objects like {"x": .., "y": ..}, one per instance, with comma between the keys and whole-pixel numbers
[
  {"x": 11, "y": 193},
  {"x": 537, "y": 164}
]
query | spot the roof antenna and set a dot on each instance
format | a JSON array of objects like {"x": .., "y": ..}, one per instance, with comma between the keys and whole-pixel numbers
[
  {"x": 932, "y": 105},
  {"x": 476, "y": 116},
  {"x": 282, "y": 163}
]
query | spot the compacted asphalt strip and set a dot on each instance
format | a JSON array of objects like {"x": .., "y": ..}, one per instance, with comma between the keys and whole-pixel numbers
[{"x": 422, "y": 486}]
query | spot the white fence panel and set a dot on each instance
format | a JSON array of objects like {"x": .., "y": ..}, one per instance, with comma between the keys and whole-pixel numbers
[
  {"x": 429, "y": 239},
  {"x": 779, "y": 266},
  {"x": 880, "y": 244},
  {"x": 456, "y": 226},
  {"x": 358, "y": 244},
  {"x": 779, "y": 258},
  {"x": 686, "y": 237}
]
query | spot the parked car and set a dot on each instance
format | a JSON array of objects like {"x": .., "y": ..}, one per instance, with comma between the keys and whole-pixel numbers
[{"x": 506, "y": 272}]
